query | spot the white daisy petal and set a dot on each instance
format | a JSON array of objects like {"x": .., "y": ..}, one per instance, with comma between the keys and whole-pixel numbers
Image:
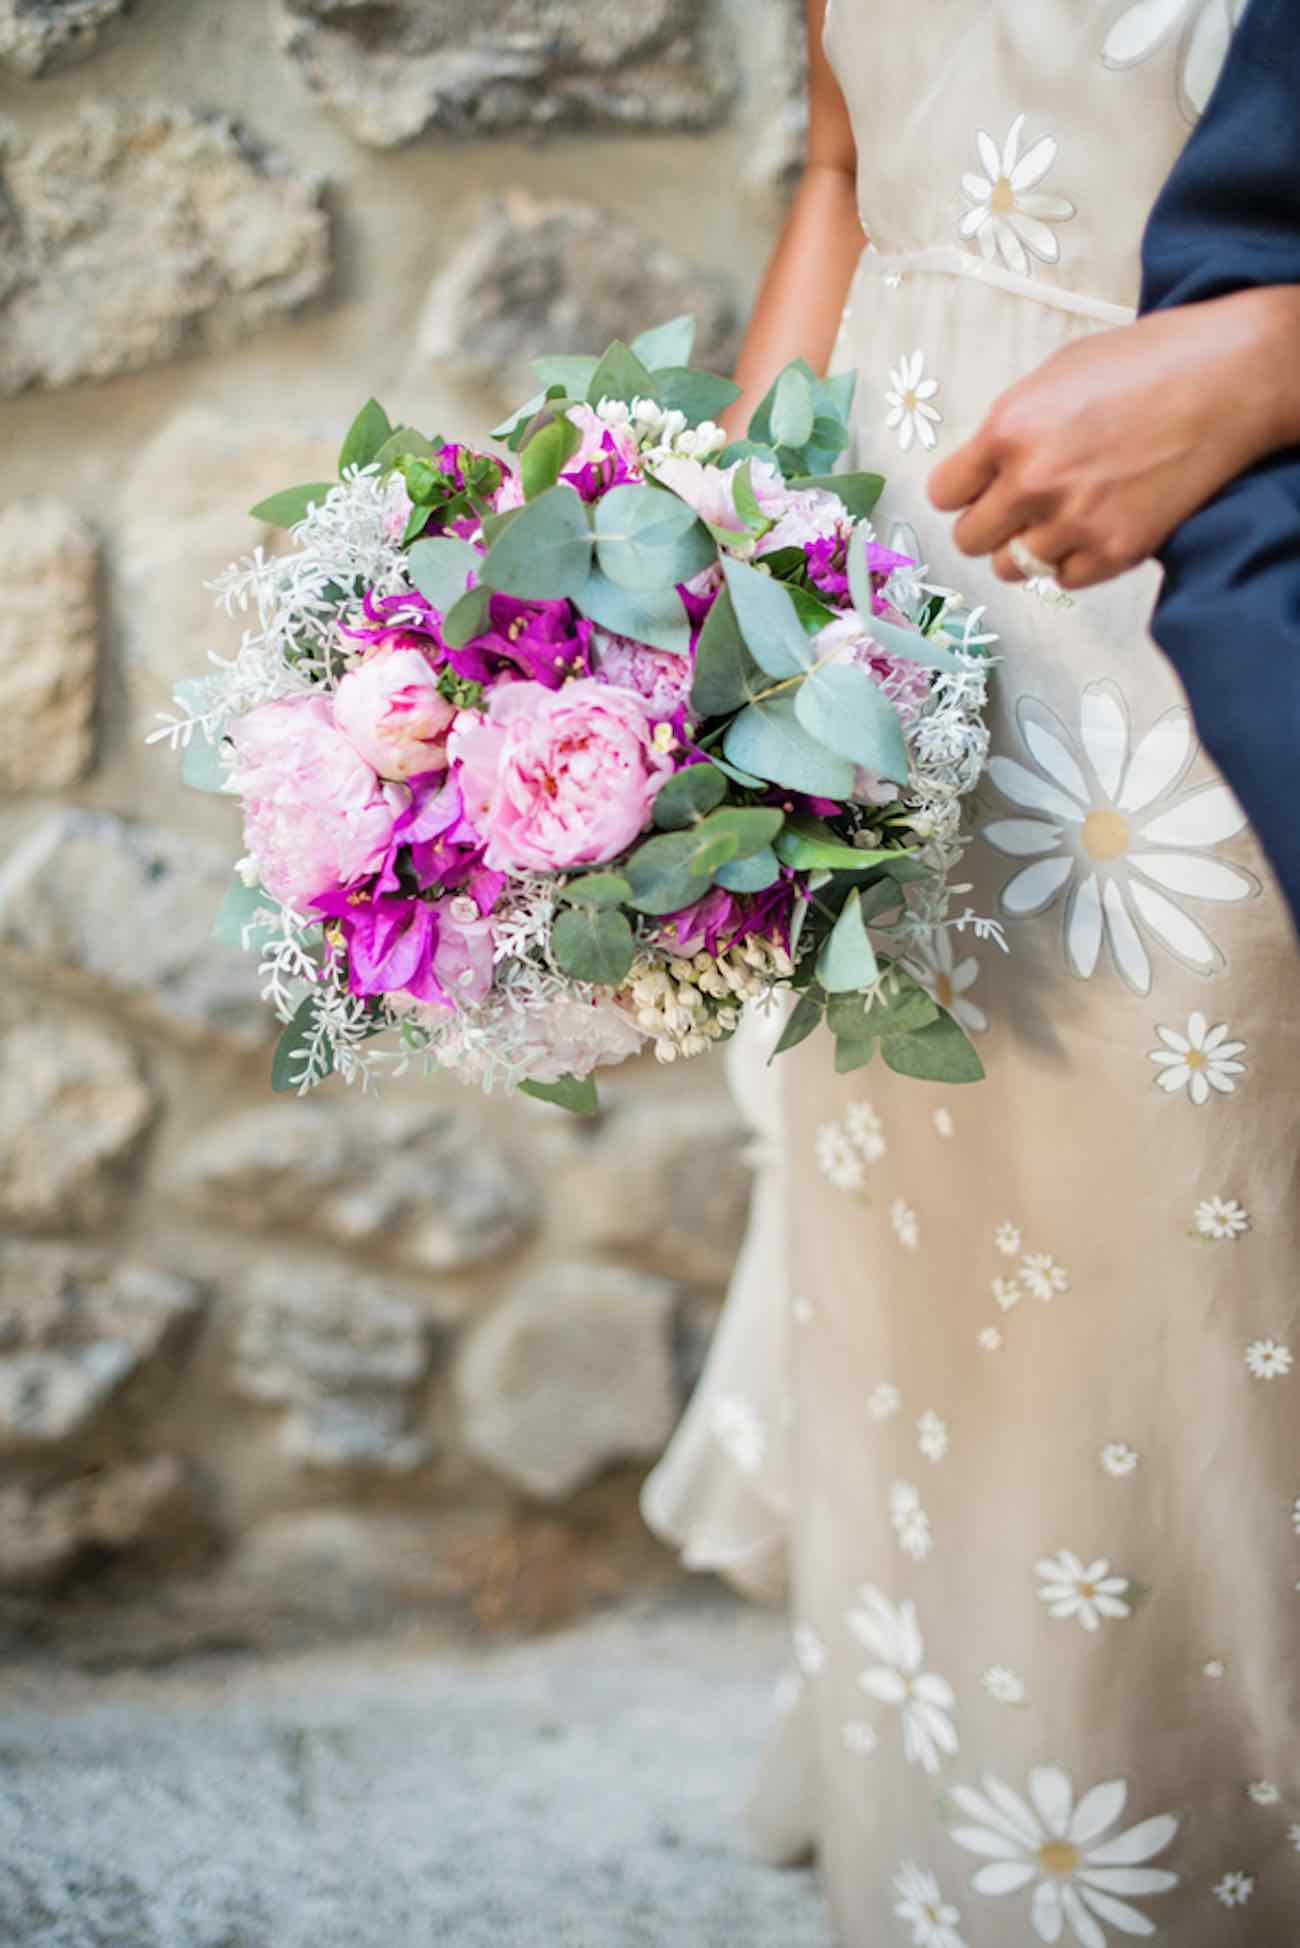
[
  {"x": 1141, "y": 1842},
  {"x": 1194, "y": 875},
  {"x": 1022, "y": 837},
  {"x": 978, "y": 188},
  {"x": 1011, "y": 147},
  {"x": 1120, "y": 1915},
  {"x": 1032, "y": 792},
  {"x": 1131, "y": 956},
  {"x": 1034, "y": 164},
  {"x": 1049, "y": 1789},
  {"x": 1003, "y": 1877},
  {"x": 1174, "y": 928},
  {"x": 1128, "y": 1880},
  {"x": 1053, "y": 209},
  {"x": 1034, "y": 889},
  {"x": 1056, "y": 757},
  {"x": 1204, "y": 817},
  {"x": 1097, "y": 1810},
  {"x": 989, "y": 157},
  {"x": 1036, "y": 236},
  {"x": 1103, "y": 726},
  {"x": 1083, "y": 927},
  {"x": 1084, "y": 1929},
  {"x": 1158, "y": 761},
  {"x": 1013, "y": 251},
  {"x": 1139, "y": 31},
  {"x": 1047, "y": 1912},
  {"x": 1206, "y": 51}
]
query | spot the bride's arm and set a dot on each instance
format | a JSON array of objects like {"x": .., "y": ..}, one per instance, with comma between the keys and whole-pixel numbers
[{"x": 807, "y": 281}]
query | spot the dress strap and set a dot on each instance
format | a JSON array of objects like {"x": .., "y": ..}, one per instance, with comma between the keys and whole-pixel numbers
[{"x": 951, "y": 260}]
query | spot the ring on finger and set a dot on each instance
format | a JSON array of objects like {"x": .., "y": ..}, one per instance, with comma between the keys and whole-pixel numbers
[{"x": 1031, "y": 565}]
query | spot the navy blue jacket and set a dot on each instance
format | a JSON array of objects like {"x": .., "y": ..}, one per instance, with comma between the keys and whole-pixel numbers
[{"x": 1229, "y": 615}]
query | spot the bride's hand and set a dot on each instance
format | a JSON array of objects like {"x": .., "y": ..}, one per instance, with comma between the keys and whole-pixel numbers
[{"x": 1091, "y": 462}]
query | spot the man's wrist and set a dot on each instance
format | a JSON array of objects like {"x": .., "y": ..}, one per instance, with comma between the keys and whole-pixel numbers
[{"x": 1272, "y": 312}]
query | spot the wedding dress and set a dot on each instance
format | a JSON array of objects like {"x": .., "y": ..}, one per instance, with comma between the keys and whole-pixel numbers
[{"x": 1018, "y": 1433}]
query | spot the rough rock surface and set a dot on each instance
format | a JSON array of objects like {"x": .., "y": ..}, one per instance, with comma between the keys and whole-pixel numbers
[
  {"x": 669, "y": 1187},
  {"x": 572, "y": 1372},
  {"x": 394, "y": 68},
  {"x": 44, "y": 1533},
  {"x": 37, "y": 35},
  {"x": 128, "y": 235},
  {"x": 347, "y": 1354},
  {"x": 781, "y": 111},
  {"x": 48, "y": 628},
  {"x": 416, "y": 1183},
  {"x": 64, "y": 891},
  {"x": 534, "y": 277},
  {"x": 74, "y": 1334},
  {"x": 73, "y": 1105}
]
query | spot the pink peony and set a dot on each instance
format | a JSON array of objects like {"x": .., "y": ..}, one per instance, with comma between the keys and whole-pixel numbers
[
  {"x": 315, "y": 815},
  {"x": 661, "y": 677},
  {"x": 558, "y": 778},
  {"x": 392, "y": 710}
]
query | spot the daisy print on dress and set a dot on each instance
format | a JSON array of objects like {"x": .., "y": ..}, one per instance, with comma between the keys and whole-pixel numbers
[
  {"x": 1268, "y": 1359},
  {"x": 1201, "y": 1060},
  {"x": 948, "y": 980},
  {"x": 1042, "y": 1276},
  {"x": 911, "y": 1523},
  {"x": 934, "y": 1922},
  {"x": 892, "y": 1635},
  {"x": 910, "y": 399},
  {"x": 1118, "y": 1459},
  {"x": 1204, "y": 29},
  {"x": 1220, "y": 1218},
  {"x": 932, "y": 1435},
  {"x": 1085, "y": 1592},
  {"x": 1079, "y": 1877},
  {"x": 1003, "y": 1686},
  {"x": 1109, "y": 827},
  {"x": 907, "y": 1228},
  {"x": 1235, "y": 1889},
  {"x": 1010, "y": 217}
]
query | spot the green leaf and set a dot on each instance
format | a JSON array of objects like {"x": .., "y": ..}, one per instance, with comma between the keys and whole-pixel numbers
[
  {"x": 726, "y": 675},
  {"x": 912, "y": 646},
  {"x": 805, "y": 1019},
  {"x": 593, "y": 944},
  {"x": 852, "y": 1055},
  {"x": 665, "y": 345},
  {"x": 574, "y": 372},
  {"x": 858, "y": 491},
  {"x": 847, "y": 960},
  {"x": 768, "y": 740},
  {"x": 760, "y": 426},
  {"x": 514, "y": 424},
  {"x": 365, "y": 437},
  {"x": 662, "y": 872},
  {"x": 621, "y": 375},
  {"x": 646, "y": 538},
  {"x": 654, "y": 616},
  {"x": 807, "y": 844},
  {"x": 287, "y": 1064},
  {"x": 943, "y": 1052},
  {"x": 814, "y": 616},
  {"x": 441, "y": 568},
  {"x": 469, "y": 617},
  {"x": 745, "y": 779},
  {"x": 768, "y": 620},
  {"x": 417, "y": 522},
  {"x": 747, "y": 450},
  {"x": 900, "y": 1007},
  {"x": 700, "y": 395},
  {"x": 751, "y": 875},
  {"x": 201, "y": 766},
  {"x": 687, "y": 796},
  {"x": 746, "y": 500},
  {"x": 577, "y": 1094},
  {"x": 829, "y": 436},
  {"x": 792, "y": 408},
  {"x": 596, "y": 889},
  {"x": 495, "y": 525},
  {"x": 850, "y": 714},
  {"x": 545, "y": 555},
  {"x": 751, "y": 826},
  {"x": 547, "y": 454},
  {"x": 291, "y": 505},
  {"x": 904, "y": 867},
  {"x": 835, "y": 395},
  {"x": 402, "y": 444},
  {"x": 236, "y": 912}
]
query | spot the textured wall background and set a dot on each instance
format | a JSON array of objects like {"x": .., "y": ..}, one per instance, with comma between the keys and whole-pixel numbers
[{"x": 266, "y": 1365}]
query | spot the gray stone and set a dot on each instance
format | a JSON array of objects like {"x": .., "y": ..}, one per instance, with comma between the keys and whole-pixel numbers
[
  {"x": 74, "y": 1333},
  {"x": 45, "y": 1533},
  {"x": 347, "y": 1355},
  {"x": 779, "y": 111},
  {"x": 669, "y": 1185},
  {"x": 395, "y": 68},
  {"x": 48, "y": 627},
  {"x": 37, "y": 35},
  {"x": 535, "y": 277},
  {"x": 415, "y": 1183},
  {"x": 136, "y": 233},
  {"x": 132, "y": 906},
  {"x": 73, "y": 1105},
  {"x": 574, "y": 1371}
]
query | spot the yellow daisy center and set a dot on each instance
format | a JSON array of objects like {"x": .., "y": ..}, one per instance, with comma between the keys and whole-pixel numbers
[
  {"x": 1059, "y": 1859},
  {"x": 1195, "y": 1058},
  {"x": 1105, "y": 833},
  {"x": 1003, "y": 198}
]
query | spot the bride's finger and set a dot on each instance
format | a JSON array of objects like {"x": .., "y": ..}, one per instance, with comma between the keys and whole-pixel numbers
[
  {"x": 963, "y": 476},
  {"x": 995, "y": 517}
]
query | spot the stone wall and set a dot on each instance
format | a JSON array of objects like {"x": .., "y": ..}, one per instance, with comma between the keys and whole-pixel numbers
[{"x": 265, "y": 1361}]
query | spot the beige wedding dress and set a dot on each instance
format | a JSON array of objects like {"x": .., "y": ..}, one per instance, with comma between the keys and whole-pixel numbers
[{"x": 1018, "y": 1431}]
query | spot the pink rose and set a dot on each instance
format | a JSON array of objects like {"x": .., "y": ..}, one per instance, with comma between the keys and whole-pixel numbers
[
  {"x": 315, "y": 815},
  {"x": 391, "y": 708},
  {"x": 558, "y": 778}
]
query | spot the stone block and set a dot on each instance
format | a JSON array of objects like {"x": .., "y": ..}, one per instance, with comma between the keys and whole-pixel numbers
[
  {"x": 37, "y": 35},
  {"x": 574, "y": 1371},
  {"x": 347, "y": 1355},
  {"x": 393, "y": 69},
  {"x": 47, "y": 1533},
  {"x": 547, "y": 276},
  {"x": 133, "y": 234},
  {"x": 73, "y": 1105},
  {"x": 418, "y": 1184},
  {"x": 74, "y": 1333},
  {"x": 131, "y": 906},
  {"x": 48, "y": 631}
]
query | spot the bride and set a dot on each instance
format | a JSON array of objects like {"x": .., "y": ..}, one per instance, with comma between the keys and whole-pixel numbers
[{"x": 1019, "y": 1435}]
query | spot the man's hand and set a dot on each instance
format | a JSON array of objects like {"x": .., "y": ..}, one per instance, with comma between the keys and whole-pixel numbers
[{"x": 1095, "y": 458}]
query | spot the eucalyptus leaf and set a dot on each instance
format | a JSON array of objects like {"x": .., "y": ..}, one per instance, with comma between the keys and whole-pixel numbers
[
  {"x": 747, "y": 450},
  {"x": 621, "y": 375},
  {"x": 545, "y": 555},
  {"x": 752, "y": 827},
  {"x": 593, "y": 944},
  {"x": 768, "y": 620},
  {"x": 901, "y": 1006},
  {"x": 236, "y": 912},
  {"x": 753, "y": 874},
  {"x": 687, "y": 796},
  {"x": 768, "y": 739},
  {"x": 666, "y": 345},
  {"x": 746, "y": 502},
  {"x": 201, "y": 766},
  {"x": 441, "y": 568},
  {"x": 745, "y": 779},
  {"x": 288, "y": 1062},
  {"x": 575, "y": 1093},
  {"x": 834, "y": 395},
  {"x": 495, "y": 525},
  {"x": 700, "y": 395},
  {"x": 596, "y": 889},
  {"x": 858, "y": 491},
  {"x": 846, "y": 711},
  {"x": 806, "y": 844},
  {"x": 662, "y": 870},
  {"x": 760, "y": 426},
  {"x": 726, "y": 675},
  {"x": 365, "y": 437},
  {"x": 646, "y": 538},
  {"x": 654, "y": 616},
  {"x": 514, "y": 424},
  {"x": 847, "y": 960},
  {"x": 547, "y": 454},
  {"x": 574, "y": 372},
  {"x": 291, "y": 504},
  {"x": 852, "y": 1055},
  {"x": 912, "y": 646},
  {"x": 404, "y": 443},
  {"x": 792, "y": 408},
  {"x": 943, "y": 1052},
  {"x": 805, "y": 1018},
  {"x": 469, "y": 617}
]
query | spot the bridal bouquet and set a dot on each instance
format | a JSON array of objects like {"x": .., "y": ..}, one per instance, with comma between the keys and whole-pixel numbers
[{"x": 548, "y": 754}]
